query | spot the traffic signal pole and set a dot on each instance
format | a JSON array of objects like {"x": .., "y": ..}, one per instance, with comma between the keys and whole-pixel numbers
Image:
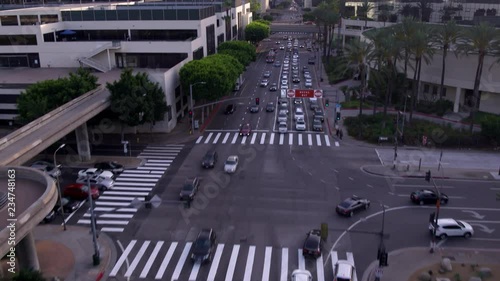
[{"x": 434, "y": 218}]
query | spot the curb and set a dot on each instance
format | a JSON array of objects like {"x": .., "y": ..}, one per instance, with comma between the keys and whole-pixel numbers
[
  {"x": 111, "y": 260},
  {"x": 381, "y": 174}
]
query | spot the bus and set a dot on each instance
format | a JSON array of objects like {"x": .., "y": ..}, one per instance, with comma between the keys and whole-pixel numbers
[{"x": 271, "y": 56}]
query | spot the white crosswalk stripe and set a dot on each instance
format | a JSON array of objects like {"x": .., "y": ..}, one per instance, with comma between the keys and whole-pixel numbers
[
  {"x": 130, "y": 184},
  {"x": 171, "y": 261},
  {"x": 261, "y": 138}
]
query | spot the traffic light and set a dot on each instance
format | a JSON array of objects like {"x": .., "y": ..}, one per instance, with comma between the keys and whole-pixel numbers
[
  {"x": 338, "y": 116},
  {"x": 327, "y": 103},
  {"x": 190, "y": 114},
  {"x": 257, "y": 101},
  {"x": 428, "y": 176},
  {"x": 383, "y": 259}
]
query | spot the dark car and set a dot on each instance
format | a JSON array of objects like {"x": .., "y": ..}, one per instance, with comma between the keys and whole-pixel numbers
[
  {"x": 204, "y": 247},
  {"x": 111, "y": 166},
  {"x": 209, "y": 159},
  {"x": 311, "y": 61},
  {"x": 318, "y": 114},
  {"x": 229, "y": 109},
  {"x": 312, "y": 244},
  {"x": 351, "y": 205},
  {"x": 69, "y": 206},
  {"x": 254, "y": 109},
  {"x": 273, "y": 88},
  {"x": 78, "y": 191},
  {"x": 317, "y": 126},
  {"x": 427, "y": 196},
  {"x": 245, "y": 130},
  {"x": 189, "y": 189},
  {"x": 296, "y": 80},
  {"x": 270, "y": 107}
]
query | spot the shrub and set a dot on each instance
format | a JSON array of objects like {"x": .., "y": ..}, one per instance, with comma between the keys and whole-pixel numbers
[
  {"x": 440, "y": 107},
  {"x": 28, "y": 275},
  {"x": 490, "y": 129}
]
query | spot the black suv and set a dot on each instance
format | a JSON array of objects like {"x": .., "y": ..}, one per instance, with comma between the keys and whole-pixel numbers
[
  {"x": 189, "y": 189},
  {"x": 230, "y": 109},
  {"x": 312, "y": 244},
  {"x": 204, "y": 247},
  {"x": 209, "y": 159}
]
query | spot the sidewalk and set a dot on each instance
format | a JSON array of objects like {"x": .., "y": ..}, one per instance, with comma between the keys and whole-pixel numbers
[
  {"x": 405, "y": 262},
  {"x": 68, "y": 254}
]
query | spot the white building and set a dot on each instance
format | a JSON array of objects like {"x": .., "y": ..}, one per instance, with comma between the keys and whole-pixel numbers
[{"x": 158, "y": 37}]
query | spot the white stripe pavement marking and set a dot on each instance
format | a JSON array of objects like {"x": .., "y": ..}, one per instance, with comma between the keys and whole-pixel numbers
[
  {"x": 158, "y": 172},
  {"x": 215, "y": 141},
  {"x": 249, "y": 265},
  {"x": 122, "y": 176},
  {"x": 350, "y": 258},
  {"x": 122, "y": 258},
  {"x": 290, "y": 139},
  {"x": 104, "y": 222},
  {"x": 235, "y": 137},
  {"x": 104, "y": 209},
  {"x": 99, "y": 203},
  {"x": 137, "y": 258},
  {"x": 208, "y": 138},
  {"x": 199, "y": 139},
  {"x": 284, "y": 264},
  {"x": 300, "y": 139},
  {"x": 271, "y": 141},
  {"x": 309, "y": 140},
  {"x": 194, "y": 271},
  {"x": 232, "y": 263},
  {"x": 327, "y": 140},
  {"x": 302, "y": 261},
  {"x": 135, "y": 179},
  {"x": 244, "y": 139},
  {"x": 112, "y": 229},
  {"x": 113, "y": 192},
  {"x": 267, "y": 264},
  {"x": 337, "y": 143},
  {"x": 319, "y": 269},
  {"x": 318, "y": 140},
  {"x": 119, "y": 198},
  {"x": 159, "y": 161},
  {"x": 225, "y": 138},
  {"x": 151, "y": 168},
  {"x": 151, "y": 259},
  {"x": 134, "y": 172},
  {"x": 263, "y": 138},
  {"x": 149, "y": 164},
  {"x": 159, "y": 156},
  {"x": 135, "y": 184},
  {"x": 253, "y": 138},
  {"x": 420, "y": 186},
  {"x": 215, "y": 263},
  {"x": 182, "y": 260},
  {"x": 282, "y": 138},
  {"x": 335, "y": 258},
  {"x": 166, "y": 261},
  {"x": 132, "y": 188},
  {"x": 113, "y": 216}
]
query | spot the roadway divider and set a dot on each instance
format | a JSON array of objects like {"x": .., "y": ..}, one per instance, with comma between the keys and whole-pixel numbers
[{"x": 42, "y": 120}]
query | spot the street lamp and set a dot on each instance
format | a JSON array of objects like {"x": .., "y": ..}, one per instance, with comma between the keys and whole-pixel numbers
[
  {"x": 59, "y": 187},
  {"x": 96, "y": 257},
  {"x": 404, "y": 115},
  {"x": 191, "y": 101}
]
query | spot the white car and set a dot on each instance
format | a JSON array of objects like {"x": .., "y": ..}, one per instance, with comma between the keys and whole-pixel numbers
[
  {"x": 231, "y": 164},
  {"x": 264, "y": 83},
  {"x": 95, "y": 172},
  {"x": 300, "y": 125},
  {"x": 451, "y": 227},
  {"x": 308, "y": 84},
  {"x": 301, "y": 275},
  {"x": 344, "y": 270},
  {"x": 284, "y": 82},
  {"x": 285, "y": 87},
  {"x": 101, "y": 182},
  {"x": 282, "y": 127},
  {"x": 299, "y": 115},
  {"x": 282, "y": 117}
]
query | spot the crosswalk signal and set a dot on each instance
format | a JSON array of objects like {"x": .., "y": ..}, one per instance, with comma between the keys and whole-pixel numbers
[
  {"x": 383, "y": 259},
  {"x": 428, "y": 176},
  {"x": 327, "y": 103},
  {"x": 257, "y": 101},
  {"x": 338, "y": 116},
  {"x": 190, "y": 114}
]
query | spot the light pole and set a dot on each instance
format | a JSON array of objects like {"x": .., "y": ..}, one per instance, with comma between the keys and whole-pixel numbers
[
  {"x": 59, "y": 187},
  {"x": 96, "y": 257},
  {"x": 382, "y": 255},
  {"x": 404, "y": 116},
  {"x": 191, "y": 101}
]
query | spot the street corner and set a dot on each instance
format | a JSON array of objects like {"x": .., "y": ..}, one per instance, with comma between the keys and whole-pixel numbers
[
  {"x": 380, "y": 170},
  {"x": 56, "y": 259}
]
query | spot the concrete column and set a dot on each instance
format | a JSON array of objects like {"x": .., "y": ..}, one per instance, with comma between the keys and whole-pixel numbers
[
  {"x": 456, "y": 105},
  {"x": 82, "y": 142},
  {"x": 109, "y": 59},
  {"x": 26, "y": 252},
  {"x": 343, "y": 41}
]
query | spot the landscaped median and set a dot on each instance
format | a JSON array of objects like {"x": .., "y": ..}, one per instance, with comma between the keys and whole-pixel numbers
[{"x": 457, "y": 271}]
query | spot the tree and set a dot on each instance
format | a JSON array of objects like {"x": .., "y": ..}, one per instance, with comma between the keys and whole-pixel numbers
[
  {"x": 404, "y": 34},
  {"x": 28, "y": 275},
  {"x": 444, "y": 37},
  {"x": 255, "y": 7},
  {"x": 240, "y": 50},
  {"x": 45, "y": 96},
  {"x": 137, "y": 100},
  {"x": 256, "y": 31},
  {"x": 218, "y": 71},
  {"x": 268, "y": 18},
  {"x": 326, "y": 15},
  {"x": 364, "y": 10},
  {"x": 481, "y": 40}
]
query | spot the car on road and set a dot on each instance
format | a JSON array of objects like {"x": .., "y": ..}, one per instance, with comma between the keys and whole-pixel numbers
[
  {"x": 427, "y": 196},
  {"x": 78, "y": 191},
  {"x": 301, "y": 46},
  {"x": 210, "y": 159},
  {"x": 270, "y": 107},
  {"x": 264, "y": 83},
  {"x": 311, "y": 61},
  {"x": 447, "y": 227},
  {"x": 307, "y": 76},
  {"x": 301, "y": 275},
  {"x": 267, "y": 74},
  {"x": 296, "y": 80},
  {"x": 277, "y": 63},
  {"x": 297, "y": 101},
  {"x": 300, "y": 125},
  {"x": 282, "y": 117},
  {"x": 48, "y": 168},
  {"x": 313, "y": 244},
  {"x": 317, "y": 126},
  {"x": 284, "y": 82},
  {"x": 273, "y": 87},
  {"x": 230, "y": 109},
  {"x": 111, "y": 166},
  {"x": 100, "y": 182},
  {"x": 351, "y": 205},
  {"x": 69, "y": 206},
  {"x": 92, "y": 172},
  {"x": 318, "y": 114},
  {"x": 282, "y": 128},
  {"x": 245, "y": 130},
  {"x": 308, "y": 84},
  {"x": 231, "y": 164},
  {"x": 284, "y": 87},
  {"x": 204, "y": 246},
  {"x": 282, "y": 47},
  {"x": 344, "y": 271},
  {"x": 189, "y": 189},
  {"x": 254, "y": 109},
  {"x": 299, "y": 115}
]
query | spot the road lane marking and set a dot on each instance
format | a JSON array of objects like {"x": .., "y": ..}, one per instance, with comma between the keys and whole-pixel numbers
[
  {"x": 199, "y": 139},
  {"x": 302, "y": 261},
  {"x": 271, "y": 141},
  {"x": 166, "y": 261},
  {"x": 350, "y": 258},
  {"x": 300, "y": 139},
  {"x": 267, "y": 264},
  {"x": 232, "y": 263},
  {"x": 335, "y": 258},
  {"x": 284, "y": 264},
  {"x": 327, "y": 140},
  {"x": 182, "y": 260},
  {"x": 224, "y": 140},
  {"x": 494, "y": 188},
  {"x": 215, "y": 263},
  {"x": 249, "y": 265},
  {"x": 351, "y": 178},
  {"x": 480, "y": 221},
  {"x": 151, "y": 259},
  {"x": 318, "y": 140},
  {"x": 244, "y": 139},
  {"x": 194, "y": 271},
  {"x": 263, "y": 138},
  {"x": 104, "y": 222},
  {"x": 309, "y": 140},
  {"x": 113, "y": 216},
  {"x": 282, "y": 138},
  {"x": 319, "y": 269},
  {"x": 235, "y": 137},
  {"x": 337, "y": 143},
  {"x": 112, "y": 229},
  {"x": 253, "y": 138},
  {"x": 208, "y": 138},
  {"x": 217, "y": 138},
  {"x": 137, "y": 258},
  {"x": 290, "y": 139},
  {"x": 420, "y": 185},
  {"x": 122, "y": 258}
]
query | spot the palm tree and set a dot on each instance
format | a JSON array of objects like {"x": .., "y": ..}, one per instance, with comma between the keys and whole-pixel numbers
[
  {"x": 481, "y": 40},
  {"x": 404, "y": 34},
  {"x": 358, "y": 56},
  {"x": 364, "y": 9},
  {"x": 446, "y": 36}
]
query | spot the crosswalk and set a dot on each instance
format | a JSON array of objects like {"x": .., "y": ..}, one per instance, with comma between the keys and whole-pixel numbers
[
  {"x": 170, "y": 261},
  {"x": 113, "y": 210},
  {"x": 292, "y": 139}
]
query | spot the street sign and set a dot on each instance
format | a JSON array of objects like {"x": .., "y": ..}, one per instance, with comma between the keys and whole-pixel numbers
[
  {"x": 338, "y": 105},
  {"x": 305, "y": 93},
  {"x": 290, "y": 93},
  {"x": 155, "y": 201},
  {"x": 318, "y": 93}
]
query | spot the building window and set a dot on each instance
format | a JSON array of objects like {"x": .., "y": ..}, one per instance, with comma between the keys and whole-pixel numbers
[
  {"x": 8, "y": 20},
  {"x": 426, "y": 88},
  {"x": 29, "y": 19},
  {"x": 49, "y": 37},
  {"x": 169, "y": 112},
  {"x": 198, "y": 54},
  {"x": 20, "y": 60},
  {"x": 434, "y": 90},
  {"x": 15, "y": 40},
  {"x": 220, "y": 39},
  {"x": 444, "y": 91},
  {"x": 218, "y": 22},
  {"x": 49, "y": 19},
  {"x": 177, "y": 92},
  {"x": 163, "y": 35},
  {"x": 149, "y": 60},
  {"x": 210, "y": 30}
]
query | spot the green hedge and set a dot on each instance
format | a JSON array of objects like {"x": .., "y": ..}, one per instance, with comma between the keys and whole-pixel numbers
[
  {"x": 490, "y": 128},
  {"x": 440, "y": 107}
]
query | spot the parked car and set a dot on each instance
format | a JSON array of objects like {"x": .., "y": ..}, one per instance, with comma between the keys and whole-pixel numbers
[
  {"x": 210, "y": 159},
  {"x": 230, "y": 109},
  {"x": 68, "y": 206},
  {"x": 427, "y": 196},
  {"x": 204, "y": 246},
  {"x": 92, "y": 172},
  {"x": 231, "y": 164},
  {"x": 312, "y": 244},
  {"x": 447, "y": 227},
  {"x": 111, "y": 166},
  {"x": 48, "y": 168},
  {"x": 78, "y": 191},
  {"x": 189, "y": 189},
  {"x": 245, "y": 130},
  {"x": 351, "y": 205},
  {"x": 100, "y": 182}
]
